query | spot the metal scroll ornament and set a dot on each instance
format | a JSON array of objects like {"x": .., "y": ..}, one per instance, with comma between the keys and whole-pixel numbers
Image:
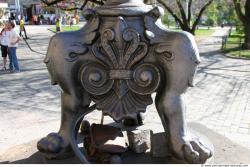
[{"x": 119, "y": 83}]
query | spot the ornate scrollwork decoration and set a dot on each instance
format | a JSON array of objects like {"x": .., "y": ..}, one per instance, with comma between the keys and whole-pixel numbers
[
  {"x": 118, "y": 83},
  {"x": 95, "y": 79},
  {"x": 146, "y": 79},
  {"x": 106, "y": 38},
  {"x": 75, "y": 51},
  {"x": 164, "y": 53},
  {"x": 133, "y": 39},
  {"x": 80, "y": 47}
]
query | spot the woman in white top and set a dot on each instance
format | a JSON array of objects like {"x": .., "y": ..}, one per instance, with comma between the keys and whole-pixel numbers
[
  {"x": 5, "y": 35},
  {"x": 12, "y": 46}
]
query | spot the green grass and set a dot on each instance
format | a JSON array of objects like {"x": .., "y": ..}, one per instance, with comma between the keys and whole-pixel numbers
[
  {"x": 233, "y": 45},
  {"x": 204, "y": 32},
  {"x": 199, "y": 32},
  {"x": 66, "y": 28}
]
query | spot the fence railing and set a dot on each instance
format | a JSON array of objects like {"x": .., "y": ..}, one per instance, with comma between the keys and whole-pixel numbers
[
  {"x": 225, "y": 38},
  {"x": 238, "y": 44}
]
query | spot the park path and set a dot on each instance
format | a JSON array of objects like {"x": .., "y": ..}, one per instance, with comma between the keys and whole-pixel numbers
[
  {"x": 30, "y": 106},
  {"x": 221, "y": 98}
]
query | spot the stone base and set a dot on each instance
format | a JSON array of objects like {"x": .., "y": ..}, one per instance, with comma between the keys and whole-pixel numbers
[
  {"x": 158, "y": 142},
  {"x": 226, "y": 152},
  {"x": 139, "y": 140}
]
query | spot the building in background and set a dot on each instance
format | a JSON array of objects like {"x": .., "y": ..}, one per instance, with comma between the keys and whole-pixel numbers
[
  {"x": 34, "y": 10},
  {"x": 4, "y": 11},
  {"x": 27, "y": 8},
  {"x": 30, "y": 9}
]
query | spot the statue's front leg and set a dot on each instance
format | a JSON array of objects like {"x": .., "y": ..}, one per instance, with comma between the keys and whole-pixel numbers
[
  {"x": 57, "y": 144},
  {"x": 171, "y": 108}
]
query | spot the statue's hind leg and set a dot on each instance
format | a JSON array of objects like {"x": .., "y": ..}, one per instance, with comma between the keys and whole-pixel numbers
[
  {"x": 171, "y": 108},
  {"x": 57, "y": 144}
]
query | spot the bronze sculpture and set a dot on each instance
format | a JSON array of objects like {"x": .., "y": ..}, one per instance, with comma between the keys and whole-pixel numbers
[{"x": 117, "y": 60}]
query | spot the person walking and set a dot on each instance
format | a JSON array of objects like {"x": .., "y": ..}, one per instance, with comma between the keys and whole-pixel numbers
[
  {"x": 12, "y": 46},
  {"x": 35, "y": 19},
  {"x": 64, "y": 20},
  {"x": 58, "y": 25},
  {"x": 22, "y": 27},
  {"x": 13, "y": 18},
  {"x": 5, "y": 35}
]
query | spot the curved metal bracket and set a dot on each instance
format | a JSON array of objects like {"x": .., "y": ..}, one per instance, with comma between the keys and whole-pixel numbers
[{"x": 73, "y": 134}]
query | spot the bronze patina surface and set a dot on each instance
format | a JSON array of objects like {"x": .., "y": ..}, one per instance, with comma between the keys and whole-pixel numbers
[{"x": 117, "y": 60}]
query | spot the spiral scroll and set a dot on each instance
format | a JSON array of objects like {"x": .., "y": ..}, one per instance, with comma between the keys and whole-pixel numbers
[
  {"x": 95, "y": 80},
  {"x": 146, "y": 79}
]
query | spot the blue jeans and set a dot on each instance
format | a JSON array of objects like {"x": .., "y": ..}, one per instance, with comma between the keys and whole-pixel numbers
[{"x": 13, "y": 59}]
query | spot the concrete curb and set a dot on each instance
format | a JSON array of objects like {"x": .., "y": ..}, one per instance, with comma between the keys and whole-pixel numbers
[
  {"x": 233, "y": 57},
  {"x": 49, "y": 29}
]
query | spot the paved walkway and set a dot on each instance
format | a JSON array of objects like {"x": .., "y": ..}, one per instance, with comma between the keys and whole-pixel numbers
[
  {"x": 221, "y": 98},
  {"x": 30, "y": 106}
]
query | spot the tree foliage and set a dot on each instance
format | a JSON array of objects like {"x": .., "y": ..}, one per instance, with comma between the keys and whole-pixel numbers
[
  {"x": 222, "y": 11},
  {"x": 72, "y": 4},
  {"x": 188, "y": 18}
]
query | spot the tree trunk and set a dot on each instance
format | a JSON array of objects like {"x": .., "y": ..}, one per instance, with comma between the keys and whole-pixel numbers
[
  {"x": 193, "y": 32},
  {"x": 247, "y": 25},
  {"x": 187, "y": 28},
  {"x": 247, "y": 36}
]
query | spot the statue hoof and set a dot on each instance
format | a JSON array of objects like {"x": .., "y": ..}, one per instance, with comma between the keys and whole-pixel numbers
[
  {"x": 195, "y": 152},
  {"x": 51, "y": 146}
]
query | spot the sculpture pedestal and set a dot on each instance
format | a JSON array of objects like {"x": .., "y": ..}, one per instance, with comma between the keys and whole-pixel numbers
[
  {"x": 160, "y": 151},
  {"x": 225, "y": 153},
  {"x": 122, "y": 56}
]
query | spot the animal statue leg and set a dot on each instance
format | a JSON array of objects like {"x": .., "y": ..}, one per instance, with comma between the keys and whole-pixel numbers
[
  {"x": 178, "y": 55},
  {"x": 171, "y": 108},
  {"x": 135, "y": 122},
  {"x": 56, "y": 144}
]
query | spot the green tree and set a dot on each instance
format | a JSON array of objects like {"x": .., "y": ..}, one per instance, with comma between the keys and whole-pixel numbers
[
  {"x": 221, "y": 11},
  {"x": 72, "y": 5},
  {"x": 187, "y": 17},
  {"x": 226, "y": 12},
  {"x": 244, "y": 16},
  {"x": 212, "y": 14}
]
